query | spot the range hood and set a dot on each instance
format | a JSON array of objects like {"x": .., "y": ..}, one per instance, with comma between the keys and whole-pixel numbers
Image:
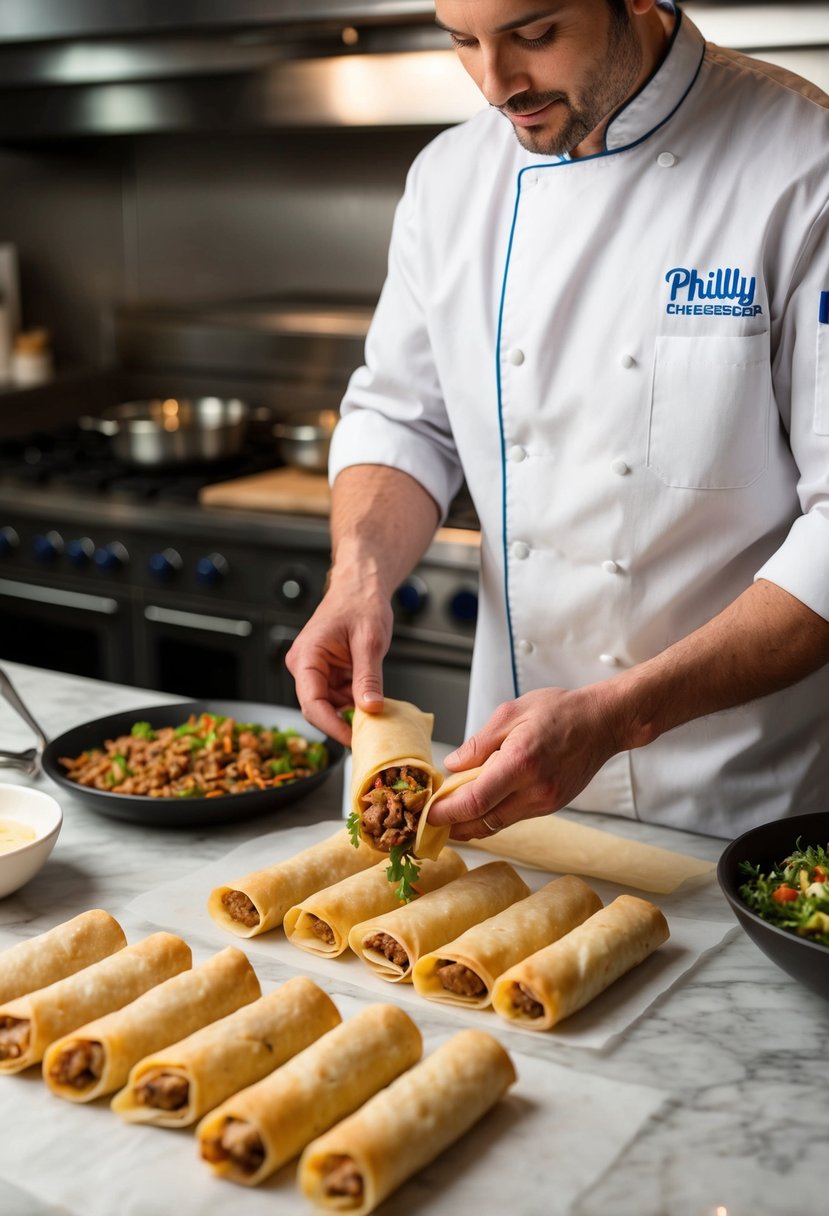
[{"x": 92, "y": 67}]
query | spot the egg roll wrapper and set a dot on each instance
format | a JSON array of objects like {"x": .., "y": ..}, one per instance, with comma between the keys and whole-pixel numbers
[
  {"x": 232, "y": 1053},
  {"x": 317, "y": 1088},
  {"x": 494, "y": 945},
  {"x": 358, "y": 897},
  {"x": 438, "y": 917},
  {"x": 181, "y": 1004},
  {"x": 567, "y": 975},
  {"x": 277, "y": 888},
  {"x": 61, "y": 951},
  {"x": 400, "y": 734},
  {"x": 109, "y": 984},
  {"x": 410, "y": 1123}
]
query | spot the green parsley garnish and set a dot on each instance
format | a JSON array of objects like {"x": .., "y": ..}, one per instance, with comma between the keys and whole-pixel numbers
[
  {"x": 353, "y": 825},
  {"x": 347, "y": 715},
  {"x": 404, "y": 870},
  {"x": 143, "y": 730}
]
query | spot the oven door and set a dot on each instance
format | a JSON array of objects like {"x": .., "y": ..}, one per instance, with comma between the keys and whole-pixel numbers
[
  {"x": 435, "y": 677},
  {"x": 201, "y": 655},
  {"x": 64, "y": 630}
]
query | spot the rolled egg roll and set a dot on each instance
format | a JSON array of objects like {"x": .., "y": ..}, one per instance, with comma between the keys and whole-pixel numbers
[
  {"x": 259, "y": 901},
  {"x": 393, "y": 777},
  {"x": 29, "y": 1023},
  {"x": 391, "y": 944},
  {"x": 58, "y": 952},
  {"x": 321, "y": 923},
  {"x": 355, "y": 1165},
  {"x": 463, "y": 971},
  {"x": 556, "y": 981},
  {"x": 96, "y": 1058},
  {"x": 259, "y": 1129},
  {"x": 176, "y": 1086}
]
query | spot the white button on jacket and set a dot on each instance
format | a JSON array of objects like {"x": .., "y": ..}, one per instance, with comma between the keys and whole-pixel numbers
[{"x": 709, "y": 278}]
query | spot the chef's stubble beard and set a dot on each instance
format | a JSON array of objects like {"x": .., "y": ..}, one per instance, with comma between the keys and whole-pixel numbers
[{"x": 609, "y": 85}]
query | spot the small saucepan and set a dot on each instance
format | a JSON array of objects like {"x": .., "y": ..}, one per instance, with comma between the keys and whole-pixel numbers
[
  {"x": 174, "y": 430},
  {"x": 304, "y": 439}
]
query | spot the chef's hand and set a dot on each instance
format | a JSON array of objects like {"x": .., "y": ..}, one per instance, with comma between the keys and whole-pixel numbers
[{"x": 538, "y": 753}]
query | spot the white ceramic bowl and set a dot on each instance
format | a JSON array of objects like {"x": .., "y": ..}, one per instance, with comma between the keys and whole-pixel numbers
[{"x": 38, "y": 811}]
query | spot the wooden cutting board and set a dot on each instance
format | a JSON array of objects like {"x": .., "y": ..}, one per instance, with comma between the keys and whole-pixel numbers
[{"x": 291, "y": 490}]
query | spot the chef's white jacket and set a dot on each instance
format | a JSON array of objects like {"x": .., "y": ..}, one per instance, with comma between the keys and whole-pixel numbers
[{"x": 627, "y": 355}]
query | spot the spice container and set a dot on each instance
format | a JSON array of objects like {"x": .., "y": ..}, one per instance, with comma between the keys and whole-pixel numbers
[{"x": 31, "y": 361}]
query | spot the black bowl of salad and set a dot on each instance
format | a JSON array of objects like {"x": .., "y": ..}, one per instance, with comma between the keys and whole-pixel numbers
[{"x": 776, "y": 878}]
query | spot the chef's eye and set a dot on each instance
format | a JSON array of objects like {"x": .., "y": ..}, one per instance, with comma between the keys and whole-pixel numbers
[
  {"x": 458, "y": 42},
  {"x": 538, "y": 40}
]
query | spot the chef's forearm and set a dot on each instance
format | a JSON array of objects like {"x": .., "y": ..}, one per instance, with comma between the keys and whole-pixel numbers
[
  {"x": 382, "y": 522},
  {"x": 764, "y": 641}
]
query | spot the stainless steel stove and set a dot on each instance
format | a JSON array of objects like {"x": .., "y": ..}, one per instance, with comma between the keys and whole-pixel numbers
[{"x": 123, "y": 575}]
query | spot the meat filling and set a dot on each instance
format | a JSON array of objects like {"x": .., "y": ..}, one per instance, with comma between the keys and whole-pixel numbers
[
  {"x": 14, "y": 1038},
  {"x": 237, "y": 1142},
  {"x": 393, "y": 807},
  {"x": 461, "y": 980},
  {"x": 321, "y": 930},
  {"x": 388, "y": 947},
  {"x": 241, "y": 908},
  {"x": 523, "y": 1000},
  {"x": 80, "y": 1065},
  {"x": 341, "y": 1177},
  {"x": 162, "y": 1090}
]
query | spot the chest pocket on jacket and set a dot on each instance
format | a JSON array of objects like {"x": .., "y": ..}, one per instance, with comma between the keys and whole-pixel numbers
[{"x": 710, "y": 402}]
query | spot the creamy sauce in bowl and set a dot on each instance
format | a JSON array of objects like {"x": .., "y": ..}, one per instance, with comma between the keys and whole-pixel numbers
[{"x": 14, "y": 834}]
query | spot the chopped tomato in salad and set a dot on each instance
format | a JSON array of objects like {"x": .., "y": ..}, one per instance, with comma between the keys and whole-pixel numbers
[{"x": 793, "y": 895}]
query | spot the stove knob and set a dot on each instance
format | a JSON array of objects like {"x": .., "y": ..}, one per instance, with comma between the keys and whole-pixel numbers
[
  {"x": 47, "y": 547},
  {"x": 212, "y": 570},
  {"x": 111, "y": 558},
  {"x": 9, "y": 540},
  {"x": 463, "y": 606},
  {"x": 165, "y": 565},
  {"x": 80, "y": 552},
  {"x": 412, "y": 596},
  {"x": 293, "y": 585}
]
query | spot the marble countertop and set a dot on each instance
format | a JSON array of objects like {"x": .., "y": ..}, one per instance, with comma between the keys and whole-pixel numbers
[{"x": 737, "y": 1050}]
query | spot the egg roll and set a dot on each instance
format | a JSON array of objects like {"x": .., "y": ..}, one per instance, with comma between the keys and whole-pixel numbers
[
  {"x": 29, "y": 1023},
  {"x": 58, "y": 952},
  {"x": 96, "y": 1058},
  {"x": 259, "y": 901},
  {"x": 393, "y": 777},
  {"x": 355, "y": 1165},
  {"x": 258, "y": 1130},
  {"x": 558, "y": 980},
  {"x": 176, "y": 1086},
  {"x": 321, "y": 923},
  {"x": 463, "y": 971},
  {"x": 391, "y": 944}
]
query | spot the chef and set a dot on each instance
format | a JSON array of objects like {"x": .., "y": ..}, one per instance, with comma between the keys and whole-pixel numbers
[{"x": 607, "y": 307}]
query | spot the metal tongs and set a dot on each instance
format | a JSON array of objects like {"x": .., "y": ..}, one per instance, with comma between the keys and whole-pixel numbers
[{"x": 27, "y": 761}]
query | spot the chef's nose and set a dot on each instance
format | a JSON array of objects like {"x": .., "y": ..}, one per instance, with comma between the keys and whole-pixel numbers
[{"x": 501, "y": 76}]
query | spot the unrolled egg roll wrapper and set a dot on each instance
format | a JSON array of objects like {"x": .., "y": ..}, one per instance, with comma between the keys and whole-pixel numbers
[
  {"x": 410, "y": 1123},
  {"x": 358, "y": 897},
  {"x": 551, "y": 842},
  {"x": 232, "y": 1053},
  {"x": 58, "y": 952},
  {"x": 491, "y": 947},
  {"x": 439, "y": 917},
  {"x": 400, "y": 734},
  {"x": 62, "y": 1007},
  {"x": 567, "y": 975},
  {"x": 317, "y": 1088},
  {"x": 277, "y": 888},
  {"x": 181, "y": 1004}
]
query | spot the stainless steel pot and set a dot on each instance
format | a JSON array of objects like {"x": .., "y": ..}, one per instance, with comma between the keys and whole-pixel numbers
[
  {"x": 174, "y": 430},
  {"x": 304, "y": 439}
]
